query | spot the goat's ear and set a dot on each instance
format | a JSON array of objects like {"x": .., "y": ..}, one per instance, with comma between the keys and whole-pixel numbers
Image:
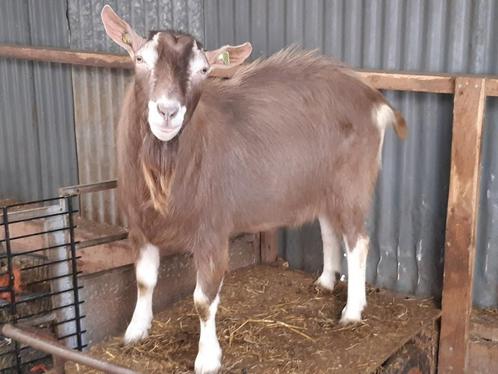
[
  {"x": 119, "y": 31},
  {"x": 225, "y": 61}
]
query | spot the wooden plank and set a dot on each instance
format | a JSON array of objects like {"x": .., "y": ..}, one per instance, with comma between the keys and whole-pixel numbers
[
  {"x": 492, "y": 87},
  {"x": 87, "y": 188},
  {"x": 484, "y": 325},
  {"x": 433, "y": 83},
  {"x": 269, "y": 246},
  {"x": 66, "y": 56},
  {"x": 468, "y": 118},
  {"x": 409, "y": 82}
]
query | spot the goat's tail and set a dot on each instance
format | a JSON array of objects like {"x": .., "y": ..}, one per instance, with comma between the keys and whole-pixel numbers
[
  {"x": 400, "y": 125},
  {"x": 386, "y": 116}
]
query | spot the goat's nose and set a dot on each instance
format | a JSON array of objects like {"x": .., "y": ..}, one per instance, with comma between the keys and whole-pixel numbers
[{"x": 168, "y": 110}]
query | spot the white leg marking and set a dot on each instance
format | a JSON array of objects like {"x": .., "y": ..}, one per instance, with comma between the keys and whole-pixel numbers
[
  {"x": 357, "y": 261},
  {"x": 146, "y": 274},
  {"x": 208, "y": 360},
  {"x": 331, "y": 256}
]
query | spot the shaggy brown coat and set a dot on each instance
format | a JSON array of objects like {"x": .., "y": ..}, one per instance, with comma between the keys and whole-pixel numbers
[{"x": 285, "y": 140}]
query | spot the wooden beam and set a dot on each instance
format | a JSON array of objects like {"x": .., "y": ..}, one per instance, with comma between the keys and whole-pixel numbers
[
  {"x": 409, "y": 81},
  {"x": 492, "y": 87},
  {"x": 463, "y": 200},
  {"x": 397, "y": 81},
  {"x": 66, "y": 56},
  {"x": 269, "y": 246},
  {"x": 87, "y": 188}
]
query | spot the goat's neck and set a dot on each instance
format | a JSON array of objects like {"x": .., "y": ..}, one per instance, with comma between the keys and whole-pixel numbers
[{"x": 155, "y": 159}]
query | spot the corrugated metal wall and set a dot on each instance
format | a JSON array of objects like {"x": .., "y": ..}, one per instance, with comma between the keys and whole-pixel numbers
[
  {"x": 408, "y": 217},
  {"x": 98, "y": 93},
  {"x": 37, "y": 149}
]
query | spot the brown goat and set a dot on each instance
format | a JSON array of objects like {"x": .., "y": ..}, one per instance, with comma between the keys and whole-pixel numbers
[{"x": 286, "y": 140}]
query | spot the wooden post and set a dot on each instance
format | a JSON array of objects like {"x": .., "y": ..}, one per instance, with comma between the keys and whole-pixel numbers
[
  {"x": 269, "y": 246},
  {"x": 463, "y": 201}
]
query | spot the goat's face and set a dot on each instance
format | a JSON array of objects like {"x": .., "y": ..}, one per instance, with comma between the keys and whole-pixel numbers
[{"x": 169, "y": 67}]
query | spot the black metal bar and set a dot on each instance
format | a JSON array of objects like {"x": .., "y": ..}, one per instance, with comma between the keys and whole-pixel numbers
[
  {"x": 75, "y": 273},
  {"x": 48, "y": 264},
  {"x": 48, "y": 311},
  {"x": 37, "y": 250},
  {"x": 36, "y": 233},
  {"x": 33, "y": 202},
  {"x": 39, "y": 217},
  {"x": 51, "y": 279},
  {"x": 68, "y": 320},
  {"x": 71, "y": 335},
  {"x": 13, "y": 306},
  {"x": 42, "y": 296}
]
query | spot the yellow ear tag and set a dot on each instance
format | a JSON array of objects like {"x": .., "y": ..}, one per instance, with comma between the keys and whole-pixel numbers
[
  {"x": 224, "y": 58},
  {"x": 126, "y": 38}
]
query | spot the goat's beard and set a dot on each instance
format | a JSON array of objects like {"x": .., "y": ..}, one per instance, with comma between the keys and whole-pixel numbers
[{"x": 158, "y": 169}]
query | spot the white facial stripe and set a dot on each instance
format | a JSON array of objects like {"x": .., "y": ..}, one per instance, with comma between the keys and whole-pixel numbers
[
  {"x": 149, "y": 53},
  {"x": 197, "y": 62}
]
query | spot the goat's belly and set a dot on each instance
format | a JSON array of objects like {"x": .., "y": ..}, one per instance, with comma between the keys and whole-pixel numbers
[{"x": 275, "y": 216}]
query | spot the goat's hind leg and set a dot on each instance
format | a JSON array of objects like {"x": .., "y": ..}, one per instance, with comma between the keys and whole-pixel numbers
[
  {"x": 356, "y": 251},
  {"x": 331, "y": 255},
  {"x": 146, "y": 269},
  {"x": 211, "y": 267}
]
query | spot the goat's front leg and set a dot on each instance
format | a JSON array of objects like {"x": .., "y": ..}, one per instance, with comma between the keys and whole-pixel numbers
[
  {"x": 211, "y": 267},
  {"x": 146, "y": 269}
]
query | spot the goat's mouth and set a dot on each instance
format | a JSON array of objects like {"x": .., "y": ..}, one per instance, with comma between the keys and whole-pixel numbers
[{"x": 165, "y": 125}]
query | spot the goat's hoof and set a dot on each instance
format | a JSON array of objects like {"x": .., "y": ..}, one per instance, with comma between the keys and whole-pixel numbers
[
  {"x": 135, "y": 333},
  {"x": 208, "y": 361},
  {"x": 325, "y": 282},
  {"x": 350, "y": 315}
]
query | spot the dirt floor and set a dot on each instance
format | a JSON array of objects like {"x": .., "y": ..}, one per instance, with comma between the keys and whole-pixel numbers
[{"x": 272, "y": 320}]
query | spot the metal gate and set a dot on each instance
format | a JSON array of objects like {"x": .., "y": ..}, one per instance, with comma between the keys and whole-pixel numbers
[{"x": 39, "y": 280}]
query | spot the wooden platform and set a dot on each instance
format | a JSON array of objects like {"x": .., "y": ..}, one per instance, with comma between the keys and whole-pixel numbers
[
  {"x": 483, "y": 344},
  {"x": 272, "y": 320}
]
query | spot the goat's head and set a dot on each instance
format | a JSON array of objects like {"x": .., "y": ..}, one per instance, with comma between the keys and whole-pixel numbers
[{"x": 169, "y": 67}]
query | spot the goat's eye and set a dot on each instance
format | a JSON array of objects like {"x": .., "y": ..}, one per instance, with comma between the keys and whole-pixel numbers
[
  {"x": 204, "y": 70},
  {"x": 140, "y": 58}
]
